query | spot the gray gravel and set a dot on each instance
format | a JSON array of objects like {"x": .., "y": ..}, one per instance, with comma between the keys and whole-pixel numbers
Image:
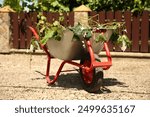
[{"x": 21, "y": 78}]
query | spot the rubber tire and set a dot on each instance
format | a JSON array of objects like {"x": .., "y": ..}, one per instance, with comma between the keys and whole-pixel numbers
[{"x": 97, "y": 80}]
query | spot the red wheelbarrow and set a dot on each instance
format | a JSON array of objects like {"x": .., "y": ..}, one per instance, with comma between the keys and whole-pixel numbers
[{"x": 86, "y": 50}]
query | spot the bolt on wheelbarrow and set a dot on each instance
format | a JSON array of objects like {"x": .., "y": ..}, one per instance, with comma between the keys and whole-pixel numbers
[{"x": 68, "y": 50}]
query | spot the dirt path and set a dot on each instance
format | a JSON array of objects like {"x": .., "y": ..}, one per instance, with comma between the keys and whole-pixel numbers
[{"x": 128, "y": 78}]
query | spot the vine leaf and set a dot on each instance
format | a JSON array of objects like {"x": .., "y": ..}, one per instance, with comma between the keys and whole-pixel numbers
[
  {"x": 124, "y": 42},
  {"x": 100, "y": 37},
  {"x": 48, "y": 35}
]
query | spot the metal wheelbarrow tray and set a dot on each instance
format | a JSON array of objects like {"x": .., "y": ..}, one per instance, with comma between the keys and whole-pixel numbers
[{"x": 68, "y": 49}]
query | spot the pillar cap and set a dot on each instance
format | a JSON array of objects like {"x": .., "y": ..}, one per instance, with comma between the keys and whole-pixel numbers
[
  {"x": 82, "y": 8},
  {"x": 6, "y": 9}
]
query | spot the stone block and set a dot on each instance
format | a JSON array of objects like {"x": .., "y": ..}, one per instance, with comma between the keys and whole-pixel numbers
[{"x": 4, "y": 33}]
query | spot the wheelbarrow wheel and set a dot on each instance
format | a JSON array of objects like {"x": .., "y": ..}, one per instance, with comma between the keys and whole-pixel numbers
[{"x": 91, "y": 80}]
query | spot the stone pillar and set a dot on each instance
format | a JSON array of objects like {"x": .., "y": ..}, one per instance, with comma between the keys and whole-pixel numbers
[
  {"x": 4, "y": 32},
  {"x": 81, "y": 15}
]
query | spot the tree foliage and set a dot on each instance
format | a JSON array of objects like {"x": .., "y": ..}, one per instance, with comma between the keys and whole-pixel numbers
[
  {"x": 53, "y": 5},
  {"x": 69, "y": 5},
  {"x": 14, "y": 4}
]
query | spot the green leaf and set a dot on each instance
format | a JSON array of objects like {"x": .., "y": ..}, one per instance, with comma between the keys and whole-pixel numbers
[
  {"x": 100, "y": 37},
  {"x": 47, "y": 36},
  {"x": 56, "y": 23},
  {"x": 43, "y": 18},
  {"x": 55, "y": 3},
  {"x": 114, "y": 37},
  {"x": 87, "y": 33},
  {"x": 77, "y": 30},
  {"x": 123, "y": 39},
  {"x": 44, "y": 8}
]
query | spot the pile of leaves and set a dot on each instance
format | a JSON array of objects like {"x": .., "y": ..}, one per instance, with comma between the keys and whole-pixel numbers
[
  {"x": 55, "y": 31},
  {"x": 48, "y": 31}
]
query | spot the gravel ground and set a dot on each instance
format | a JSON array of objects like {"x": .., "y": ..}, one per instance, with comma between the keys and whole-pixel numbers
[{"x": 128, "y": 78}]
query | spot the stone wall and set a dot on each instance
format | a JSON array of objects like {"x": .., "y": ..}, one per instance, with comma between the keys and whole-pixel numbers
[{"x": 4, "y": 32}]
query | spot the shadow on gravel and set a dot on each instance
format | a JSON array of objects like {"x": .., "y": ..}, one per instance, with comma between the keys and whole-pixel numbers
[
  {"x": 73, "y": 80},
  {"x": 69, "y": 80},
  {"x": 112, "y": 82},
  {"x": 109, "y": 82}
]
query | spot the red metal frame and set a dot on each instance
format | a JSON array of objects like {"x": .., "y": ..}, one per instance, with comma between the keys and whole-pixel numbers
[{"x": 105, "y": 65}]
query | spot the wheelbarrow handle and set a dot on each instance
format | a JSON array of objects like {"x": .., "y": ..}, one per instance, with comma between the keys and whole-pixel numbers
[
  {"x": 38, "y": 39},
  {"x": 34, "y": 32}
]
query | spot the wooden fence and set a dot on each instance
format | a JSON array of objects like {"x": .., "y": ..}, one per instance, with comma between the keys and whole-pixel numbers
[{"x": 138, "y": 27}]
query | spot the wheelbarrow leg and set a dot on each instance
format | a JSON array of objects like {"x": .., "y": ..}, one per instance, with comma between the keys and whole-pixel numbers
[
  {"x": 48, "y": 65},
  {"x": 56, "y": 76},
  {"x": 48, "y": 79}
]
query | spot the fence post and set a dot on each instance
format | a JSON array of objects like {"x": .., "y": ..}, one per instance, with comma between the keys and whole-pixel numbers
[
  {"x": 118, "y": 18},
  {"x": 135, "y": 34},
  {"x": 110, "y": 18},
  {"x": 145, "y": 31},
  {"x": 127, "y": 18}
]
